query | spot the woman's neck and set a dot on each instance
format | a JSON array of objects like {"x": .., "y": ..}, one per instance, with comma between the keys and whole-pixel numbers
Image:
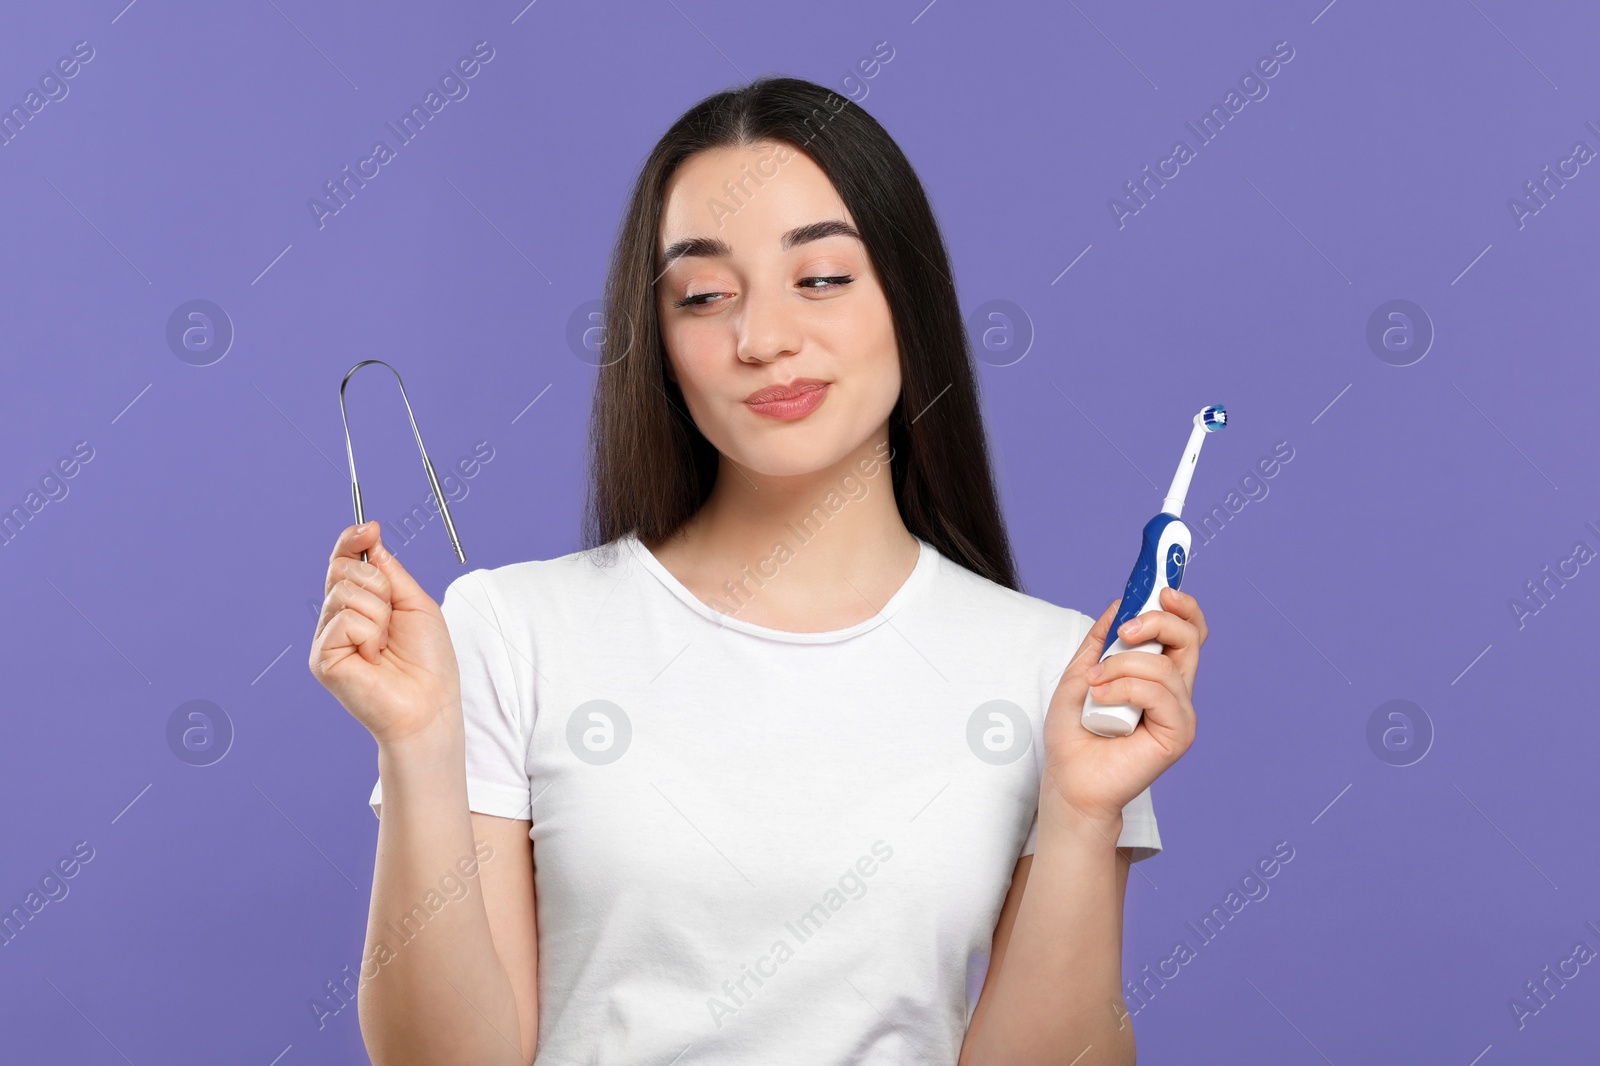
[{"x": 809, "y": 553}]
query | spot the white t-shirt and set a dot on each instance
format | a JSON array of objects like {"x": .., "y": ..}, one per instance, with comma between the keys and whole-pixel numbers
[{"x": 752, "y": 845}]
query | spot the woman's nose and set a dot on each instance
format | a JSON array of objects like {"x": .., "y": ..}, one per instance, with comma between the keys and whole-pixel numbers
[{"x": 768, "y": 324}]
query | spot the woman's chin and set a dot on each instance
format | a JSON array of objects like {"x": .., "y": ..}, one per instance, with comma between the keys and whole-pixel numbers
[{"x": 790, "y": 455}]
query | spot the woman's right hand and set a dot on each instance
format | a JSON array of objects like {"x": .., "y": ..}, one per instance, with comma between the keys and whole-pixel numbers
[{"x": 381, "y": 645}]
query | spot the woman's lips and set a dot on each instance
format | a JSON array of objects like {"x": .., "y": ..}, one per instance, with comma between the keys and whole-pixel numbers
[{"x": 794, "y": 407}]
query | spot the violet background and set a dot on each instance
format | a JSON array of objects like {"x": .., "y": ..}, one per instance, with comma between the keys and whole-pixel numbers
[{"x": 1378, "y": 566}]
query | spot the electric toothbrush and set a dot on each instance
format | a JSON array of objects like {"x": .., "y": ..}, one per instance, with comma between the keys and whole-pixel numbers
[{"x": 1162, "y": 555}]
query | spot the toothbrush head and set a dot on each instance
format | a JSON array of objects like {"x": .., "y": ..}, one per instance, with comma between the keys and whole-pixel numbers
[{"x": 1213, "y": 418}]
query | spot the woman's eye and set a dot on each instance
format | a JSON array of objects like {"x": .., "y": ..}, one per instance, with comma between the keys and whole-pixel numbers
[
  {"x": 702, "y": 299},
  {"x": 697, "y": 300},
  {"x": 834, "y": 281}
]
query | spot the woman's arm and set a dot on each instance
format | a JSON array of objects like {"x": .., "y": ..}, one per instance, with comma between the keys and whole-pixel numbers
[
  {"x": 433, "y": 988},
  {"x": 1053, "y": 990},
  {"x": 510, "y": 899},
  {"x": 450, "y": 983},
  {"x": 1056, "y": 996}
]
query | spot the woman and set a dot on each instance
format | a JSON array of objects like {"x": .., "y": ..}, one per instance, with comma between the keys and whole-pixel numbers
[{"x": 776, "y": 743}]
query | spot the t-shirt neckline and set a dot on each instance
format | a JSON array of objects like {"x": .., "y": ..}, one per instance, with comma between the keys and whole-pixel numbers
[{"x": 927, "y": 559}]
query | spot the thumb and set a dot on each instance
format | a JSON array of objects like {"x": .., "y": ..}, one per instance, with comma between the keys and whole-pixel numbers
[
  {"x": 1072, "y": 688},
  {"x": 405, "y": 593},
  {"x": 1094, "y": 641}
]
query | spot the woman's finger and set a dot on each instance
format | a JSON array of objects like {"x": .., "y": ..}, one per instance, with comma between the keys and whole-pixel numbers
[
  {"x": 1143, "y": 666},
  {"x": 1170, "y": 629},
  {"x": 404, "y": 592},
  {"x": 347, "y": 548},
  {"x": 1165, "y": 711},
  {"x": 366, "y": 575},
  {"x": 1094, "y": 641},
  {"x": 1186, "y": 607},
  {"x": 347, "y": 594},
  {"x": 1133, "y": 664},
  {"x": 1151, "y": 695},
  {"x": 1180, "y": 638},
  {"x": 350, "y": 629}
]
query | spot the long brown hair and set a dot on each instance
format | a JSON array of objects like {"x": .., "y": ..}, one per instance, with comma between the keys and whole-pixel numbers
[{"x": 651, "y": 468}]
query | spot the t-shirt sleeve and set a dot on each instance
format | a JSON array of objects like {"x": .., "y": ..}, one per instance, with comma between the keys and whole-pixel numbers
[
  {"x": 496, "y": 729},
  {"x": 1139, "y": 831}
]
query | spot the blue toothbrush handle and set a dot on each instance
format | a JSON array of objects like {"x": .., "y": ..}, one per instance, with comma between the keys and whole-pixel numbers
[{"x": 1163, "y": 553}]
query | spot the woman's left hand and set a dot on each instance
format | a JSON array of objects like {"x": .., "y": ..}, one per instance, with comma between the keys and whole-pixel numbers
[{"x": 1098, "y": 775}]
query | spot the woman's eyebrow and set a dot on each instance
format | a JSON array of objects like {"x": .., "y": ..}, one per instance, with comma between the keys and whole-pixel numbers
[{"x": 717, "y": 248}]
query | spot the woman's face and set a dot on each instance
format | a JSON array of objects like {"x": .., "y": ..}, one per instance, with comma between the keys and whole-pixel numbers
[{"x": 767, "y": 306}]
